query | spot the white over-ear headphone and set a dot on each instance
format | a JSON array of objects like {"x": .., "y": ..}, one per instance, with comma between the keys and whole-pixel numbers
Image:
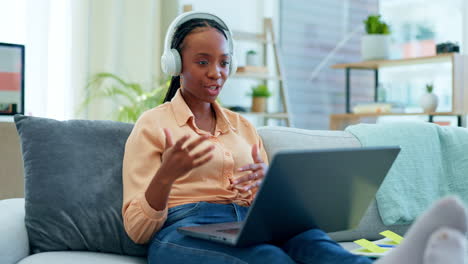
[{"x": 171, "y": 62}]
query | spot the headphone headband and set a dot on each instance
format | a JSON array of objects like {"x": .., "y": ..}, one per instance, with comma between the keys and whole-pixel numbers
[{"x": 191, "y": 15}]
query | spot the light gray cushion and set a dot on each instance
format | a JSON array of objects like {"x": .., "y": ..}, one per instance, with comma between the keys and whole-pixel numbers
[
  {"x": 73, "y": 185},
  {"x": 285, "y": 138},
  {"x": 81, "y": 258}
]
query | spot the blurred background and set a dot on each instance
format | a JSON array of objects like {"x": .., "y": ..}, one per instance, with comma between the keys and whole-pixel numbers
[{"x": 68, "y": 43}]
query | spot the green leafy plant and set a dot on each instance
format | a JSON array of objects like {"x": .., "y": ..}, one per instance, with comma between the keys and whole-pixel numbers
[
  {"x": 374, "y": 25},
  {"x": 251, "y": 52},
  {"x": 260, "y": 91},
  {"x": 429, "y": 87},
  {"x": 132, "y": 97}
]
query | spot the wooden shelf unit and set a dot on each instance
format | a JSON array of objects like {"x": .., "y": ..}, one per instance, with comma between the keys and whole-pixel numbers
[
  {"x": 459, "y": 64},
  {"x": 339, "y": 121},
  {"x": 267, "y": 37},
  {"x": 376, "y": 64},
  {"x": 254, "y": 75},
  {"x": 255, "y": 37}
]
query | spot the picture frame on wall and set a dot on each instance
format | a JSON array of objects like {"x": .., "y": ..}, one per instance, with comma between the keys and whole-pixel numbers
[{"x": 11, "y": 78}]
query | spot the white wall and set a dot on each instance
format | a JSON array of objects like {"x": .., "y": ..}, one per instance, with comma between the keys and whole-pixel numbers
[{"x": 11, "y": 13}]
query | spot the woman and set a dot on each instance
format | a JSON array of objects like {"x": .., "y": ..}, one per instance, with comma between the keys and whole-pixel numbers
[{"x": 206, "y": 164}]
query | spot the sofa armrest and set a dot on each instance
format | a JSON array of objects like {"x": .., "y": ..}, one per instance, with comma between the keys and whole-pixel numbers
[{"x": 14, "y": 242}]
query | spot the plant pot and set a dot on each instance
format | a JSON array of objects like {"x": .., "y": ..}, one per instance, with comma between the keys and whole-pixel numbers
[
  {"x": 259, "y": 104},
  {"x": 375, "y": 47},
  {"x": 428, "y": 102},
  {"x": 252, "y": 59}
]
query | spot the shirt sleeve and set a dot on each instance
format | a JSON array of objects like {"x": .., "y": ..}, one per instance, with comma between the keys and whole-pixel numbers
[{"x": 142, "y": 159}]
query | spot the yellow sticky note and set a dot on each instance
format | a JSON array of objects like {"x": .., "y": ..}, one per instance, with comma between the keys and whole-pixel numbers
[
  {"x": 370, "y": 246},
  {"x": 392, "y": 236}
]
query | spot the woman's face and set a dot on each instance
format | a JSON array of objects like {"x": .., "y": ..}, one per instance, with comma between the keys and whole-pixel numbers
[{"x": 205, "y": 64}]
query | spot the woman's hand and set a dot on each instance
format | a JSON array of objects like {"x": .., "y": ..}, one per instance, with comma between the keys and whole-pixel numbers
[
  {"x": 257, "y": 170},
  {"x": 178, "y": 159}
]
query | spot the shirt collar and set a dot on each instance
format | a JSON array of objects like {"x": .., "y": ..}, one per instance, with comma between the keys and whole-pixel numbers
[{"x": 182, "y": 113}]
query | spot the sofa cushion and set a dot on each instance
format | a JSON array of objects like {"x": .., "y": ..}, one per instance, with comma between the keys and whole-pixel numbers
[
  {"x": 286, "y": 138},
  {"x": 80, "y": 258},
  {"x": 73, "y": 185}
]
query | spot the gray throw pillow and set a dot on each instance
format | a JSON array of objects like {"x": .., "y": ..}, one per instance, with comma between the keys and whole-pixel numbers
[{"x": 73, "y": 185}]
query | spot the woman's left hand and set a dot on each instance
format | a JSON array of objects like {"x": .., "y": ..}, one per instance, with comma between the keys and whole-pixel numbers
[{"x": 258, "y": 170}]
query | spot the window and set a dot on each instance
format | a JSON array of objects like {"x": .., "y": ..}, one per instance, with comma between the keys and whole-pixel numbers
[{"x": 310, "y": 31}]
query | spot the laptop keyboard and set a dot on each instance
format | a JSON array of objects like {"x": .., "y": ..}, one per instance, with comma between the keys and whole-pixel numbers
[{"x": 232, "y": 231}]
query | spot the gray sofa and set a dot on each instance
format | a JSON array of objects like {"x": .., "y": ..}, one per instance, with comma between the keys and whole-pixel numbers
[{"x": 32, "y": 233}]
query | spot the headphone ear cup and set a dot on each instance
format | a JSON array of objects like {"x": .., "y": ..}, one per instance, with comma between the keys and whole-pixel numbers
[
  {"x": 177, "y": 62},
  {"x": 233, "y": 66},
  {"x": 167, "y": 64},
  {"x": 171, "y": 63}
]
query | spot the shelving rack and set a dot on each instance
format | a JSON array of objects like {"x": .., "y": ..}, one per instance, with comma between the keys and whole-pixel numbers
[
  {"x": 459, "y": 81},
  {"x": 267, "y": 37}
]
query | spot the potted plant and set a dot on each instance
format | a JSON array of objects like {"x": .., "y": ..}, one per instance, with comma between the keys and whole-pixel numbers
[
  {"x": 133, "y": 99},
  {"x": 428, "y": 100},
  {"x": 251, "y": 58},
  {"x": 259, "y": 95},
  {"x": 375, "y": 44}
]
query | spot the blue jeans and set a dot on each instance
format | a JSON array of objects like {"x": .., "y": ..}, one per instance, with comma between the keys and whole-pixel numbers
[{"x": 169, "y": 246}]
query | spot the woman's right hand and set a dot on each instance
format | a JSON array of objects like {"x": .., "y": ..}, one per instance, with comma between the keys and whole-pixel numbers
[{"x": 178, "y": 160}]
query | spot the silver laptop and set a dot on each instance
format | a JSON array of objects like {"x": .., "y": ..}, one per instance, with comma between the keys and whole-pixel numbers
[{"x": 327, "y": 189}]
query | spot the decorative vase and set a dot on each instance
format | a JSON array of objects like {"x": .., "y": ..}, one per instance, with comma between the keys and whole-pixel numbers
[
  {"x": 375, "y": 47},
  {"x": 428, "y": 102},
  {"x": 259, "y": 104}
]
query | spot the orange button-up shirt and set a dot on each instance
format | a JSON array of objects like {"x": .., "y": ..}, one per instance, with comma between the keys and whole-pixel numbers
[{"x": 233, "y": 140}]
